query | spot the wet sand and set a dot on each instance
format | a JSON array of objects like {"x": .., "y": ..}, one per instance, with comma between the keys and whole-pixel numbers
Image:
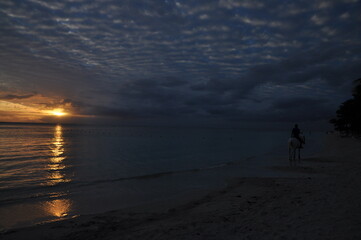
[{"x": 324, "y": 205}]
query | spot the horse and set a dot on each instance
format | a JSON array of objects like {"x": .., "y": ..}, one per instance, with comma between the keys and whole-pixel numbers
[{"x": 293, "y": 145}]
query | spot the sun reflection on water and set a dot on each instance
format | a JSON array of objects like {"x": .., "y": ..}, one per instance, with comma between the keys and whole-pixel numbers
[
  {"x": 57, "y": 157},
  {"x": 59, "y": 207}
]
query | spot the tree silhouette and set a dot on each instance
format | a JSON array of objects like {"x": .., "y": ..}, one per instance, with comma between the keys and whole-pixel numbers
[{"x": 348, "y": 116}]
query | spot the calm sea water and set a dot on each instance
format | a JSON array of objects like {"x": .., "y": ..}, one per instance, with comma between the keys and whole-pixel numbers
[{"x": 51, "y": 172}]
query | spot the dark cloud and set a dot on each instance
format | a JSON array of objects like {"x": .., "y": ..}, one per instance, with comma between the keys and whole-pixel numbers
[
  {"x": 226, "y": 59},
  {"x": 13, "y": 96},
  {"x": 297, "y": 103}
]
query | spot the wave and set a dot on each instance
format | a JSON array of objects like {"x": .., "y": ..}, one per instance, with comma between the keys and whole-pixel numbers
[
  {"x": 162, "y": 174},
  {"x": 40, "y": 192}
]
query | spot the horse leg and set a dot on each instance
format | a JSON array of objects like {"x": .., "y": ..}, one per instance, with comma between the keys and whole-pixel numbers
[
  {"x": 289, "y": 153},
  {"x": 299, "y": 155},
  {"x": 294, "y": 156}
]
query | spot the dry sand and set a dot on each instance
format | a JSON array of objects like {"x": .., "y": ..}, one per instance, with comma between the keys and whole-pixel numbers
[{"x": 326, "y": 205}]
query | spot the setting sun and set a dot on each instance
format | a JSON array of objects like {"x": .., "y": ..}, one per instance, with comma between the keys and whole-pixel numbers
[{"x": 57, "y": 112}]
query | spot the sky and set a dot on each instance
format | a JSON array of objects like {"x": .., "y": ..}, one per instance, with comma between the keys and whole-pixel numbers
[{"x": 209, "y": 62}]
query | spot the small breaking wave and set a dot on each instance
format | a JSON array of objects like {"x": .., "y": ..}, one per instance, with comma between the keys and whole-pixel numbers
[{"x": 40, "y": 192}]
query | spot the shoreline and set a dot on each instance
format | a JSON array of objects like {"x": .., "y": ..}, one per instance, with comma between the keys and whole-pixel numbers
[{"x": 322, "y": 206}]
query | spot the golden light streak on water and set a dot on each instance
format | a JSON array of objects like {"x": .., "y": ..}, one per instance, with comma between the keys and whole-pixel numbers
[
  {"x": 58, "y": 143},
  {"x": 59, "y": 207},
  {"x": 57, "y": 157}
]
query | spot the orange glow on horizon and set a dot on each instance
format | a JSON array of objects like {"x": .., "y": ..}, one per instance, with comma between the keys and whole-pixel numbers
[{"x": 36, "y": 110}]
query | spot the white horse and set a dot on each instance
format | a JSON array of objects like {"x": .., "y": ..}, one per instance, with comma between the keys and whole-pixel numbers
[{"x": 294, "y": 147}]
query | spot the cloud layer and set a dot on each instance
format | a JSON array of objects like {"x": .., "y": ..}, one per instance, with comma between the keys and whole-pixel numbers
[{"x": 143, "y": 59}]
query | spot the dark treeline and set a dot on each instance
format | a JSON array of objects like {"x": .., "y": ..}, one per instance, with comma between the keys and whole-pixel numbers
[{"x": 348, "y": 115}]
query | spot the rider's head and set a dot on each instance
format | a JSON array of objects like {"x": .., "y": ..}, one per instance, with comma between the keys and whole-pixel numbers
[{"x": 296, "y": 126}]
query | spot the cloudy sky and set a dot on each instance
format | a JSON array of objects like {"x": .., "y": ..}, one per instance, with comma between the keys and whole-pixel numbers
[{"x": 181, "y": 61}]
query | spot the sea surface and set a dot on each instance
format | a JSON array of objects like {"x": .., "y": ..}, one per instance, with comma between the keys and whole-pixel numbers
[{"x": 53, "y": 172}]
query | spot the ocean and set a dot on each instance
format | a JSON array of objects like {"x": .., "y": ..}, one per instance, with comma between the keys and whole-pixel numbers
[{"x": 53, "y": 172}]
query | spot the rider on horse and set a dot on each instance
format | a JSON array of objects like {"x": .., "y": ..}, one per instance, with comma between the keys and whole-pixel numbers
[{"x": 296, "y": 134}]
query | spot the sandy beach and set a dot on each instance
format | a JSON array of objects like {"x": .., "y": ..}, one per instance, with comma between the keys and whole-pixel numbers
[{"x": 324, "y": 205}]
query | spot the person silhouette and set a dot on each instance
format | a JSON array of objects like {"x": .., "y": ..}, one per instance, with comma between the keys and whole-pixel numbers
[{"x": 296, "y": 134}]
